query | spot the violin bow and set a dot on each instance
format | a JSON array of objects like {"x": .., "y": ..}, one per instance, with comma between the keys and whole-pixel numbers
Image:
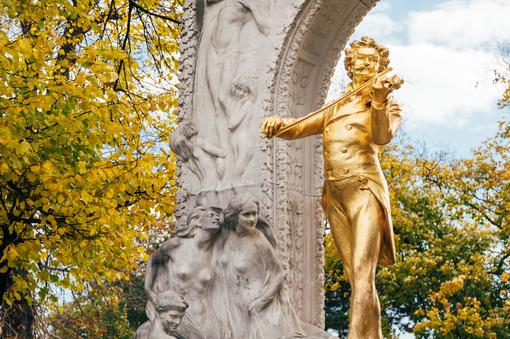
[{"x": 334, "y": 102}]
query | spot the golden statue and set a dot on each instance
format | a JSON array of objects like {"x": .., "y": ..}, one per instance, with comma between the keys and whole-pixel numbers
[{"x": 355, "y": 195}]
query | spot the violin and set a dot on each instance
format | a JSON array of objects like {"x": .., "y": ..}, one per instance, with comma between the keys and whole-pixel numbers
[{"x": 342, "y": 98}]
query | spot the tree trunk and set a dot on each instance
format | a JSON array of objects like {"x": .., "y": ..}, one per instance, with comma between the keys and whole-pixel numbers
[{"x": 17, "y": 320}]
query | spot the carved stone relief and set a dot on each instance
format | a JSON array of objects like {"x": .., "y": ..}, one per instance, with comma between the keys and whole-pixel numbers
[
  {"x": 204, "y": 160},
  {"x": 250, "y": 59},
  {"x": 226, "y": 100},
  {"x": 220, "y": 277}
]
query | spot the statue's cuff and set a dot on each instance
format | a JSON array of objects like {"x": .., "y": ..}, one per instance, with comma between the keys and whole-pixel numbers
[{"x": 378, "y": 105}]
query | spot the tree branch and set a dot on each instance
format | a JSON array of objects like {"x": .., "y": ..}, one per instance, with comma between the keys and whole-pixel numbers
[
  {"x": 124, "y": 44},
  {"x": 146, "y": 11}
]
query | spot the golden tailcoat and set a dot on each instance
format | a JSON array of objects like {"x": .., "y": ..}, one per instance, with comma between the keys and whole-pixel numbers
[{"x": 352, "y": 133}]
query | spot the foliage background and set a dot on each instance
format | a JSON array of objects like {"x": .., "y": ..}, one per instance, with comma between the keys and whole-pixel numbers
[
  {"x": 86, "y": 187},
  {"x": 85, "y": 172}
]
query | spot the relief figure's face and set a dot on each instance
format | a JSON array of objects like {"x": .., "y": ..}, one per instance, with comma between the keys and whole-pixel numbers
[
  {"x": 170, "y": 319},
  {"x": 248, "y": 216},
  {"x": 365, "y": 64},
  {"x": 211, "y": 220}
]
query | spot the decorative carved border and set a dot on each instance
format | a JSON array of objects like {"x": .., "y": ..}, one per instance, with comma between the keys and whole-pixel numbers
[
  {"x": 306, "y": 255},
  {"x": 188, "y": 48}
]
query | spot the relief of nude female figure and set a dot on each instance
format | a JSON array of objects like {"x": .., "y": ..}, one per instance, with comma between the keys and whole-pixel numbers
[
  {"x": 232, "y": 87},
  {"x": 183, "y": 264},
  {"x": 220, "y": 277}
]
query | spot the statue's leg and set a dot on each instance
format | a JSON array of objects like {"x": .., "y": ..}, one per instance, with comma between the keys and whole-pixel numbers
[
  {"x": 340, "y": 227},
  {"x": 339, "y": 224},
  {"x": 367, "y": 216},
  {"x": 355, "y": 216}
]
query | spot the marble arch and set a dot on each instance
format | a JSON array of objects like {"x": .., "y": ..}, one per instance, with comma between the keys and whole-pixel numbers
[{"x": 284, "y": 53}]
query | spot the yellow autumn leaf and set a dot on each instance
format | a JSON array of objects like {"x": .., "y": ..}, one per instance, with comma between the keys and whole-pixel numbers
[{"x": 23, "y": 147}]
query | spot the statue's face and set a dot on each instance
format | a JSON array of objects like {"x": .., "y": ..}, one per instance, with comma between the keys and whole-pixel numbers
[
  {"x": 248, "y": 216},
  {"x": 365, "y": 64},
  {"x": 211, "y": 220},
  {"x": 170, "y": 320}
]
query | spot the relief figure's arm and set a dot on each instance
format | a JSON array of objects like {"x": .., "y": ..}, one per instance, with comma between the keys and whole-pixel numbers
[
  {"x": 236, "y": 118},
  {"x": 159, "y": 258},
  {"x": 212, "y": 150},
  {"x": 216, "y": 152},
  {"x": 151, "y": 271},
  {"x": 385, "y": 121},
  {"x": 273, "y": 282}
]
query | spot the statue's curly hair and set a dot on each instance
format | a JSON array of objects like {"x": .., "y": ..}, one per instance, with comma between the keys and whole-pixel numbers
[
  {"x": 350, "y": 53},
  {"x": 170, "y": 300}
]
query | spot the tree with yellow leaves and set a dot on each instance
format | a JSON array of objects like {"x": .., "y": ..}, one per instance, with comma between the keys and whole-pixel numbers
[{"x": 87, "y": 95}]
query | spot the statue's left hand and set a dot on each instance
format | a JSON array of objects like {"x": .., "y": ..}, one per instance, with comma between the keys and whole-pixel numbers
[{"x": 383, "y": 86}]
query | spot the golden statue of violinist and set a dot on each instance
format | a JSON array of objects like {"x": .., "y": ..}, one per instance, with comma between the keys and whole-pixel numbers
[{"x": 355, "y": 195}]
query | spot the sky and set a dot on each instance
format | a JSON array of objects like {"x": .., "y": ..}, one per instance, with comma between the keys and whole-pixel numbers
[{"x": 446, "y": 52}]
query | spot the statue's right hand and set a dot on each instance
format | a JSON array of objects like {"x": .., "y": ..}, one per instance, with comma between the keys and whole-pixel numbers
[{"x": 271, "y": 126}]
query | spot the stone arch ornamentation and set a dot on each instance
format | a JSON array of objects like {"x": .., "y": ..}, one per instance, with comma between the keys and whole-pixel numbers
[{"x": 281, "y": 57}]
